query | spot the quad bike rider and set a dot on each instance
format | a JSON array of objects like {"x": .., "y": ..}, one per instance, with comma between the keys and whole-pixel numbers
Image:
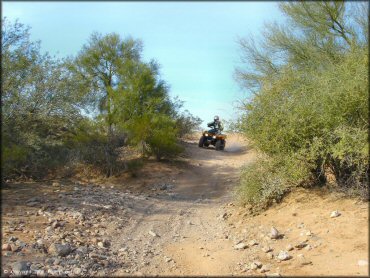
[{"x": 214, "y": 136}]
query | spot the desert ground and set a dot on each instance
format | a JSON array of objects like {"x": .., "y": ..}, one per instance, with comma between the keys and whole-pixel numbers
[{"x": 179, "y": 218}]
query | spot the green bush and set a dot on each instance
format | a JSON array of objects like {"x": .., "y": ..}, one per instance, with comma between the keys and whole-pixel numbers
[
  {"x": 156, "y": 134},
  {"x": 266, "y": 180},
  {"x": 310, "y": 101}
]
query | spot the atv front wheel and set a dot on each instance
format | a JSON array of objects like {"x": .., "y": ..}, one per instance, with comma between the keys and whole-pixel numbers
[
  {"x": 201, "y": 142},
  {"x": 218, "y": 145},
  {"x": 223, "y": 145}
]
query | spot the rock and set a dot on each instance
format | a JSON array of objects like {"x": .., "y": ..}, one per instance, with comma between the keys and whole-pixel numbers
[
  {"x": 14, "y": 248},
  {"x": 301, "y": 245},
  {"x": 6, "y": 247},
  {"x": 362, "y": 263},
  {"x": 283, "y": 256},
  {"x": 266, "y": 249},
  {"x": 264, "y": 269},
  {"x": 258, "y": 263},
  {"x": 167, "y": 259},
  {"x": 153, "y": 234},
  {"x": 60, "y": 249},
  {"x": 253, "y": 266},
  {"x": 302, "y": 260},
  {"x": 34, "y": 199},
  {"x": 40, "y": 242},
  {"x": 335, "y": 213},
  {"x": 269, "y": 255},
  {"x": 308, "y": 247},
  {"x": 12, "y": 239},
  {"x": 55, "y": 184},
  {"x": 106, "y": 243},
  {"x": 252, "y": 242},
  {"x": 49, "y": 261},
  {"x": 57, "y": 224},
  {"x": 8, "y": 254},
  {"x": 308, "y": 233},
  {"x": 289, "y": 247},
  {"x": 274, "y": 233},
  {"x": 240, "y": 246},
  {"x": 101, "y": 244},
  {"x": 21, "y": 267},
  {"x": 35, "y": 267}
]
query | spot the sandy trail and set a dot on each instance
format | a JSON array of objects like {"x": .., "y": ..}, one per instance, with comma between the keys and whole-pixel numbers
[{"x": 193, "y": 239}]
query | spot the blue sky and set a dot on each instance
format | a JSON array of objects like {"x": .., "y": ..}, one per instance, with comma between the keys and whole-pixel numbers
[{"x": 195, "y": 42}]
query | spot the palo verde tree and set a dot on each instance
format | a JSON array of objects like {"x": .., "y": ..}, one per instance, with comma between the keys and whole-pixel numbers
[
  {"x": 144, "y": 110},
  {"x": 308, "y": 109},
  {"x": 100, "y": 68}
]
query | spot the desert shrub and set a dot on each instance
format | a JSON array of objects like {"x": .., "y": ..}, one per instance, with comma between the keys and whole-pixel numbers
[
  {"x": 155, "y": 134},
  {"x": 309, "y": 105},
  {"x": 186, "y": 123},
  {"x": 91, "y": 146},
  {"x": 266, "y": 180}
]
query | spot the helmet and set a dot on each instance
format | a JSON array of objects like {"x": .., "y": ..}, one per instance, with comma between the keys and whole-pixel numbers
[{"x": 216, "y": 118}]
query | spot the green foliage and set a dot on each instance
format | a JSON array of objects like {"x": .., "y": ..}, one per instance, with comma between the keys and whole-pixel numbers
[
  {"x": 310, "y": 95},
  {"x": 265, "y": 181},
  {"x": 187, "y": 123},
  {"x": 38, "y": 110},
  {"x": 82, "y": 109},
  {"x": 156, "y": 134}
]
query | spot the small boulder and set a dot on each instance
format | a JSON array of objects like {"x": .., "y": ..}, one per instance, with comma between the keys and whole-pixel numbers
[
  {"x": 21, "y": 268},
  {"x": 106, "y": 243},
  {"x": 266, "y": 249},
  {"x": 335, "y": 213},
  {"x": 264, "y": 269},
  {"x": 289, "y": 247},
  {"x": 101, "y": 244},
  {"x": 258, "y": 263},
  {"x": 77, "y": 271},
  {"x": 301, "y": 245},
  {"x": 274, "y": 233},
  {"x": 302, "y": 260},
  {"x": 253, "y": 266},
  {"x": 6, "y": 247},
  {"x": 153, "y": 234},
  {"x": 60, "y": 249},
  {"x": 269, "y": 255},
  {"x": 240, "y": 246},
  {"x": 308, "y": 247},
  {"x": 283, "y": 256},
  {"x": 252, "y": 242}
]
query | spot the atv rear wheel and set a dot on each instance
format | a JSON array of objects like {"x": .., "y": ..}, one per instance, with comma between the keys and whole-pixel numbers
[
  {"x": 201, "y": 142},
  {"x": 218, "y": 145}
]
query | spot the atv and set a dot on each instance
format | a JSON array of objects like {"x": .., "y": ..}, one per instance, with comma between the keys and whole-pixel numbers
[{"x": 212, "y": 137}]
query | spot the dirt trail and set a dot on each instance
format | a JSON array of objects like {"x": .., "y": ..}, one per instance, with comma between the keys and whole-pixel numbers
[
  {"x": 179, "y": 219},
  {"x": 192, "y": 237}
]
